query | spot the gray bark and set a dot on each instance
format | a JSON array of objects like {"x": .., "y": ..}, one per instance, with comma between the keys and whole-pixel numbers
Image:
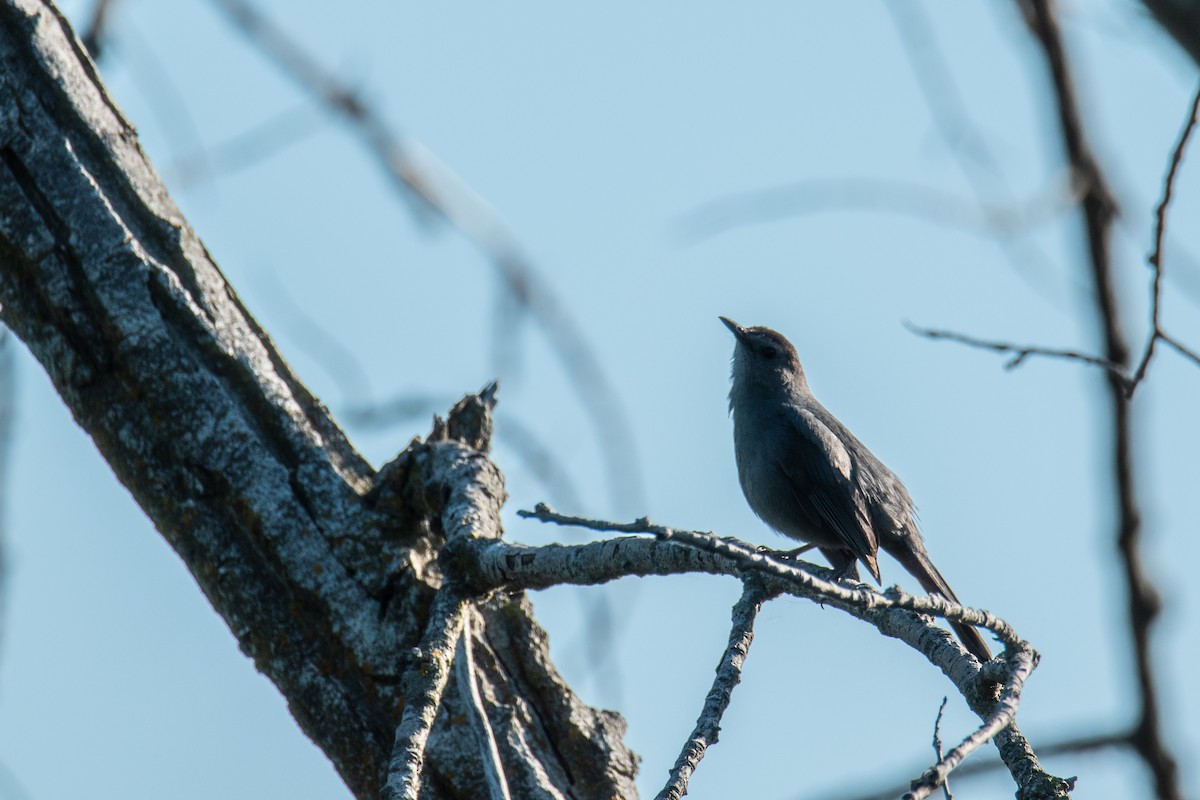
[{"x": 323, "y": 570}]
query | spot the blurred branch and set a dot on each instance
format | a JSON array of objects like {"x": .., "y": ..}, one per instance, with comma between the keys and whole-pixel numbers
[
  {"x": 1072, "y": 744},
  {"x": 245, "y": 149},
  {"x": 1099, "y": 209},
  {"x": 826, "y": 195},
  {"x": 729, "y": 675},
  {"x": 95, "y": 32},
  {"x": 1156, "y": 255},
  {"x": 533, "y": 454},
  {"x": 1181, "y": 19},
  {"x": 416, "y": 173},
  {"x": 962, "y": 137}
]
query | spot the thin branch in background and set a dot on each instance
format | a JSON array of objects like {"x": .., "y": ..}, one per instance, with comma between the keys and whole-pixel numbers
[
  {"x": 1181, "y": 19},
  {"x": 96, "y": 30},
  {"x": 341, "y": 362},
  {"x": 963, "y": 138},
  {"x": 416, "y": 173},
  {"x": 827, "y": 195},
  {"x": 464, "y": 673},
  {"x": 937, "y": 744},
  {"x": 1156, "y": 255},
  {"x": 1099, "y": 209},
  {"x": 244, "y": 150},
  {"x": 532, "y": 453},
  {"x": 164, "y": 100},
  {"x": 1021, "y": 352},
  {"x": 424, "y": 682},
  {"x": 729, "y": 675},
  {"x": 1071, "y": 744}
]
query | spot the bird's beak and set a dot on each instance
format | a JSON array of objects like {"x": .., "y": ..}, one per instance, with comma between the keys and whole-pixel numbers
[{"x": 738, "y": 330}]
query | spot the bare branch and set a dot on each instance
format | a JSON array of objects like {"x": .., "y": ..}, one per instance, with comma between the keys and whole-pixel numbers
[
  {"x": 424, "y": 682},
  {"x": 729, "y": 675},
  {"x": 417, "y": 173},
  {"x": 1019, "y": 352},
  {"x": 937, "y": 744},
  {"x": 1099, "y": 208},
  {"x": 1181, "y": 19},
  {"x": 795, "y": 577},
  {"x": 825, "y": 195},
  {"x": 97, "y": 29},
  {"x": 499, "y": 563},
  {"x": 1070, "y": 744},
  {"x": 1002, "y": 715},
  {"x": 965, "y": 140},
  {"x": 1156, "y": 255}
]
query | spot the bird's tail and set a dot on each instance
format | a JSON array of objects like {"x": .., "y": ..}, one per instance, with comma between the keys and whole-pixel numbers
[{"x": 920, "y": 566}]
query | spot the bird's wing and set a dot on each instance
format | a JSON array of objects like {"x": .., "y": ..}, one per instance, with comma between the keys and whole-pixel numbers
[{"x": 823, "y": 470}]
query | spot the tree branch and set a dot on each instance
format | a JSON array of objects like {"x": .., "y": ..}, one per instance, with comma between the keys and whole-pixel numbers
[
  {"x": 1156, "y": 254},
  {"x": 1099, "y": 208},
  {"x": 729, "y": 675},
  {"x": 892, "y": 613},
  {"x": 424, "y": 681},
  {"x": 323, "y": 570},
  {"x": 437, "y": 191}
]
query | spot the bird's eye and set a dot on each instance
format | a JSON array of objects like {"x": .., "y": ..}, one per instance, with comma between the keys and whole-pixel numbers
[{"x": 769, "y": 352}]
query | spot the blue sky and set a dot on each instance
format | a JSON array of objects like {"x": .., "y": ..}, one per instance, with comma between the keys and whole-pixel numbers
[{"x": 598, "y": 133}]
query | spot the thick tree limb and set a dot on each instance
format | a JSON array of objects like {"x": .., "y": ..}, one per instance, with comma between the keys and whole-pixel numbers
[{"x": 323, "y": 571}]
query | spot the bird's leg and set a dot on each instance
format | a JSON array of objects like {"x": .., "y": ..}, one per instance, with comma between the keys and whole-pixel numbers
[
  {"x": 784, "y": 555},
  {"x": 845, "y": 565}
]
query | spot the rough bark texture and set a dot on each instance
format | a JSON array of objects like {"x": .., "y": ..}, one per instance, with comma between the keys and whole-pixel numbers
[{"x": 323, "y": 570}]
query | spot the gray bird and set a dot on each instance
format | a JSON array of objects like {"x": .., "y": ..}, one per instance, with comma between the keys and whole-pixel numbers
[{"x": 805, "y": 475}]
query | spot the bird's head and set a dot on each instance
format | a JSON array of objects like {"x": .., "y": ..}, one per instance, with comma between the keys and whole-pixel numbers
[{"x": 764, "y": 361}]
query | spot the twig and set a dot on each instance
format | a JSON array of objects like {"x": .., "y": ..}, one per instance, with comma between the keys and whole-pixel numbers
[
  {"x": 1073, "y": 744},
  {"x": 1156, "y": 255},
  {"x": 1020, "y": 352},
  {"x": 245, "y": 149},
  {"x": 524, "y": 442},
  {"x": 96, "y": 30},
  {"x": 1099, "y": 208},
  {"x": 424, "y": 682},
  {"x": 419, "y": 176},
  {"x": 867, "y": 194},
  {"x": 1003, "y": 714},
  {"x": 464, "y": 673},
  {"x": 937, "y": 744},
  {"x": 964, "y": 139},
  {"x": 729, "y": 675}
]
